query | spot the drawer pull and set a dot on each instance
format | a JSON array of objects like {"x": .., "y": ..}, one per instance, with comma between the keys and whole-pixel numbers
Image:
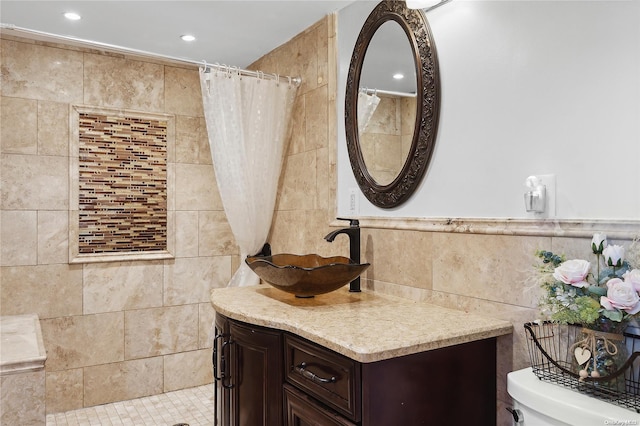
[{"x": 302, "y": 370}]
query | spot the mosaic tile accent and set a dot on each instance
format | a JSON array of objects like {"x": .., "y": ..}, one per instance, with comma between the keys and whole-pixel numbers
[{"x": 122, "y": 184}]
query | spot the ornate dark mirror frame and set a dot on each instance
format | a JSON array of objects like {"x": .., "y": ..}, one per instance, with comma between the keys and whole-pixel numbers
[{"x": 414, "y": 24}]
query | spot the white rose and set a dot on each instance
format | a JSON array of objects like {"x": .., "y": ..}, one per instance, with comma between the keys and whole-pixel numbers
[
  {"x": 613, "y": 255},
  {"x": 598, "y": 242},
  {"x": 573, "y": 272},
  {"x": 633, "y": 277},
  {"x": 621, "y": 295}
]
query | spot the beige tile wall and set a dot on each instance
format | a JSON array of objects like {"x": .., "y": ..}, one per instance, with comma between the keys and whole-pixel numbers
[
  {"x": 305, "y": 204},
  {"x": 386, "y": 140},
  {"x": 22, "y": 398},
  {"x": 116, "y": 330}
]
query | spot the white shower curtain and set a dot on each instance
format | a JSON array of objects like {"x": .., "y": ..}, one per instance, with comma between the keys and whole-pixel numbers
[
  {"x": 367, "y": 105},
  {"x": 247, "y": 121}
]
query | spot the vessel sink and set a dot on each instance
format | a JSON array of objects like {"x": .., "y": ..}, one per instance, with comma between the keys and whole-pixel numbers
[{"x": 305, "y": 275}]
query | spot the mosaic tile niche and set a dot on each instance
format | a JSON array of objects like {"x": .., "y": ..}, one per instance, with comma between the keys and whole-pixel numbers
[{"x": 119, "y": 186}]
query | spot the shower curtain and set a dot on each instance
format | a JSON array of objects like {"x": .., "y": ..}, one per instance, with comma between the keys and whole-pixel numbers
[
  {"x": 367, "y": 105},
  {"x": 247, "y": 122}
]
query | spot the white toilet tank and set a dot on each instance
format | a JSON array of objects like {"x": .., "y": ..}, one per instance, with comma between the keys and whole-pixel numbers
[{"x": 543, "y": 403}]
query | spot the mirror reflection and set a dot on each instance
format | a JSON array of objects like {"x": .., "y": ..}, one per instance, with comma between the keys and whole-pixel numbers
[{"x": 386, "y": 108}]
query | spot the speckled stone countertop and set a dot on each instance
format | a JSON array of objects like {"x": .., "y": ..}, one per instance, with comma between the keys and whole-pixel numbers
[{"x": 366, "y": 326}]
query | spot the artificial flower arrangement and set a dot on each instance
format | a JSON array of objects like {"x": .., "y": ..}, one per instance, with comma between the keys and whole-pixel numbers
[
  {"x": 605, "y": 299},
  {"x": 601, "y": 301}
]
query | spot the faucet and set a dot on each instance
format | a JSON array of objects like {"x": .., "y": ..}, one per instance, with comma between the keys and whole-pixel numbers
[{"x": 353, "y": 232}]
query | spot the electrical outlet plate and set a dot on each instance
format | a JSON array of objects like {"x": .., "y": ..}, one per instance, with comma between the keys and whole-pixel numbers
[{"x": 354, "y": 203}]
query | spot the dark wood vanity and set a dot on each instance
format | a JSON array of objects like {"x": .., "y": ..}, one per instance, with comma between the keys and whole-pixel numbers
[
  {"x": 247, "y": 363},
  {"x": 274, "y": 375}
]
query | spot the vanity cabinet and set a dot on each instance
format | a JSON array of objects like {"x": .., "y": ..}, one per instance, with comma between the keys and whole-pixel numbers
[
  {"x": 247, "y": 363},
  {"x": 271, "y": 377}
]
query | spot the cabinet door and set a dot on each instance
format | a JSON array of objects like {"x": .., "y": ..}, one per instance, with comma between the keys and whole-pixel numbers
[
  {"x": 454, "y": 385},
  {"x": 220, "y": 361},
  {"x": 256, "y": 375},
  {"x": 301, "y": 410}
]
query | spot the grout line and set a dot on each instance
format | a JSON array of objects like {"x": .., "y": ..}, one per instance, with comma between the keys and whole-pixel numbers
[{"x": 194, "y": 406}]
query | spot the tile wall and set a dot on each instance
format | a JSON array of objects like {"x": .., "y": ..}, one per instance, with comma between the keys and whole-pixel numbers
[
  {"x": 306, "y": 199},
  {"x": 386, "y": 140},
  {"x": 116, "y": 330}
]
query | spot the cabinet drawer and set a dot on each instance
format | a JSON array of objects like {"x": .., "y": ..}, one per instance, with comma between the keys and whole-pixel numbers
[
  {"x": 302, "y": 410},
  {"x": 330, "y": 377}
]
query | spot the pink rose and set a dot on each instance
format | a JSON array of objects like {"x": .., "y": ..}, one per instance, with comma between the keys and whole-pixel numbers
[
  {"x": 573, "y": 272},
  {"x": 621, "y": 295},
  {"x": 633, "y": 277}
]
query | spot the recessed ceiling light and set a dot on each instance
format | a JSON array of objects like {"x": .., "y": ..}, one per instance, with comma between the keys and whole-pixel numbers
[
  {"x": 187, "y": 37},
  {"x": 398, "y": 76},
  {"x": 72, "y": 16}
]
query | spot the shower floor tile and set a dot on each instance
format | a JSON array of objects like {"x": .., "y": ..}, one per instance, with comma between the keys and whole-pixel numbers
[{"x": 193, "y": 406}]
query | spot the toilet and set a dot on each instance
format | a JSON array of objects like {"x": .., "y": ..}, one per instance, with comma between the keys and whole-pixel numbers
[{"x": 540, "y": 403}]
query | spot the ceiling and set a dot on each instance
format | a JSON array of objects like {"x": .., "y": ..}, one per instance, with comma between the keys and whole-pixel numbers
[
  {"x": 228, "y": 32},
  {"x": 231, "y": 32}
]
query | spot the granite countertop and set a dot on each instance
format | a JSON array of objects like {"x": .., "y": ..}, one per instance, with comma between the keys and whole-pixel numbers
[{"x": 367, "y": 326}]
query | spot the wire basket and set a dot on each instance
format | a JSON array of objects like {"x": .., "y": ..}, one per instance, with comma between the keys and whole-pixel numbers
[{"x": 549, "y": 346}]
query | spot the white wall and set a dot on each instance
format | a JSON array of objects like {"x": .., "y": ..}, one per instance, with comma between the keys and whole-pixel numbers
[{"x": 528, "y": 87}]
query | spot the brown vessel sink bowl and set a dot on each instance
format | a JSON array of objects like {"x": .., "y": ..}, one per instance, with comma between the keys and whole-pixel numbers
[{"x": 306, "y": 275}]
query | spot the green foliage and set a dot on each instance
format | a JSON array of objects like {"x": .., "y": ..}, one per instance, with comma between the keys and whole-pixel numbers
[
  {"x": 585, "y": 311},
  {"x": 549, "y": 257},
  {"x": 597, "y": 291},
  {"x": 613, "y": 315},
  {"x": 607, "y": 273}
]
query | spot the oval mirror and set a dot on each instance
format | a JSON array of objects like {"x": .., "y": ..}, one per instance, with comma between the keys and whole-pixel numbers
[{"x": 391, "y": 123}]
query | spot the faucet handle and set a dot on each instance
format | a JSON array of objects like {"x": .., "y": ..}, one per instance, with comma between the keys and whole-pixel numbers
[{"x": 352, "y": 222}]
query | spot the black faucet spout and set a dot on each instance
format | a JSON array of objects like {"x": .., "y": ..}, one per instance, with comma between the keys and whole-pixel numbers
[
  {"x": 350, "y": 232},
  {"x": 353, "y": 232}
]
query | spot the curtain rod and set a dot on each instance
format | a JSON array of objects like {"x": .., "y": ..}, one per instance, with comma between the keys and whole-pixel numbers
[
  {"x": 387, "y": 92},
  {"x": 45, "y": 36}
]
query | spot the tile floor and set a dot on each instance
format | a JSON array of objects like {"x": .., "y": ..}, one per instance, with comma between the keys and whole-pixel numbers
[{"x": 194, "y": 407}]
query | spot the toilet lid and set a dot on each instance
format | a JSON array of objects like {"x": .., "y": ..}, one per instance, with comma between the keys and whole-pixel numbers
[{"x": 563, "y": 404}]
